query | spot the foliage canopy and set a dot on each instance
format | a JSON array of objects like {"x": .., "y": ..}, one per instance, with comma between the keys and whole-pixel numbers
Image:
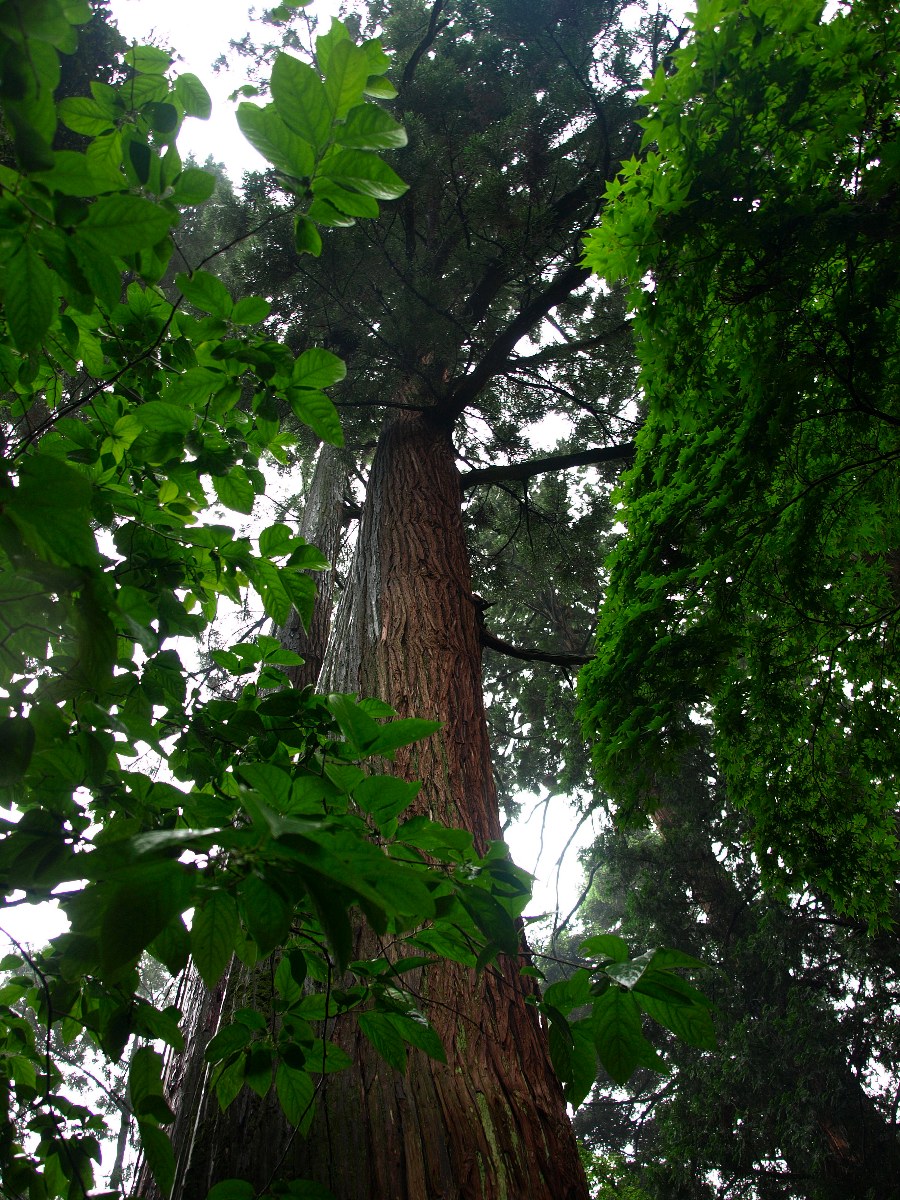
[{"x": 757, "y": 586}]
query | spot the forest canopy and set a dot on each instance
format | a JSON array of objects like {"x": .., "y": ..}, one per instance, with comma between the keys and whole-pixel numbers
[{"x": 757, "y": 587}]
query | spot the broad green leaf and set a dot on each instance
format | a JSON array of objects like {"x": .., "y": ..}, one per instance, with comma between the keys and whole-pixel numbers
[
  {"x": 351, "y": 204},
  {"x": 148, "y": 60},
  {"x": 605, "y": 945},
  {"x": 235, "y": 490},
  {"x": 369, "y": 127},
  {"x": 206, "y": 292},
  {"x": 317, "y": 411},
  {"x": 307, "y": 239},
  {"x": 229, "y": 1040},
  {"x": 229, "y": 1081},
  {"x": 296, "y": 1094},
  {"x": 29, "y": 296},
  {"x": 232, "y": 1189},
  {"x": 618, "y": 1036},
  {"x": 193, "y": 186},
  {"x": 160, "y": 1156},
  {"x": 359, "y": 728},
  {"x": 385, "y": 1037},
  {"x": 138, "y": 908},
  {"x": 317, "y": 368},
  {"x": 345, "y": 77},
  {"x": 83, "y": 115},
  {"x": 213, "y": 934},
  {"x": 267, "y": 132},
  {"x": 16, "y": 746},
  {"x": 415, "y": 1029},
  {"x": 301, "y": 101},
  {"x": 250, "y": 311},
  {"x": 164, "y": 417},
  {"x": 385, "y": 796},
  {"x": 266, "y": 912},
  {"x": 122, "y": 225},
  {"x": 144, "y": 1077},
  {"x": 399, "y": 733},
  {"x": 362, "y": 171},
  {"x": 193, "y": 96}
]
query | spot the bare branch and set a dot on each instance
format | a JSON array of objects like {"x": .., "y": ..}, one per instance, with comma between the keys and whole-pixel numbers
[{"x": 503, "y": 472}]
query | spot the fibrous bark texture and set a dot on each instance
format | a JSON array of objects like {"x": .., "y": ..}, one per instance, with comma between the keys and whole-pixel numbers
[{"x": 491, "y": 1123}]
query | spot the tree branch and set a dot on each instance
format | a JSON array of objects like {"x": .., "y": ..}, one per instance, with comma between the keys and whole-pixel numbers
[
  {"x": 503, "y": 472},
  {"x": 434, "y": 28},
  {"x": 498, "y": 352},
  {"x": 562, "y": 659}
]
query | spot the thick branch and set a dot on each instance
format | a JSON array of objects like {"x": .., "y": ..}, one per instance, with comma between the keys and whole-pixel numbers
[
  {"x": 434, "y": 28},
  {"x": 503, "y": 472},
  {"x": 561, "y": 659},
  {"x": 498, "y": 352}
]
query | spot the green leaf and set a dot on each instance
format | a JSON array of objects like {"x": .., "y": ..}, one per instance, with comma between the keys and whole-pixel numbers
[
  {"x": 267, "y": 913},
  {"x": 361, "y": 171},
  {"x": 144, "y": 1077},
  {"x": 229, "y": 1081},
  {"x": 148, "y": 60},
  {"x": 385, "y": 796},
  {"x": 139, "y": 908},
  {"x": 251, "y": 310},
  {"x": 395, "y": 734},
  {"x": 317, "y": 368},
  {"x": 300, "y": 98},
  {"x": 385, "y": 1037},
  {"x": 122, "y": 225},
  {"x": 605, "y": 945},
  {"x": 159, "y": 1155},
  {"x": 213, "y": 934},
  {"x": 359, "y": 728},
  {"x": 193, "y": 96},
  {"x": 29, "y": 296},
  {"x": 206, "y": 292},
  {"x": 691, "y": 1022},
  {"x": 83, "y": 115},
  {"x": 235, "y": 490},
  {"x": 307, "y": 239},
  {"x": 296, "y": 1093},
  {"x": 369, "y": 127},
  {"x": 17, "y": 739},
  {"x": 267, "y": 132},
  {"x": 193, "y": 186},
  {"x": 415, "y": 1029},
  {"x": 345, "y": 76},
  {"x": 317, "y": 411},
  {"x": 229, "y": 1040},
  {"x": 618, "y": 1036},
  {"x": 232, "y": 1189}
]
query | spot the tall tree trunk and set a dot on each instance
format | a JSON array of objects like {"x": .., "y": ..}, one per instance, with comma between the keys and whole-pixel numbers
[
  {"x": 321, "y": 525},
  {"x": 491, "y": 1123}
]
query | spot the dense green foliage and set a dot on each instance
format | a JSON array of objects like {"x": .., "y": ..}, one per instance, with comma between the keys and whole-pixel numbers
[
  {"x": 129, "y": 422},
  {"x": 758, "y": 583}
]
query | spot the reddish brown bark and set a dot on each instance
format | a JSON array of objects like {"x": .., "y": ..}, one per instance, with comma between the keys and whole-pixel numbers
[{"x": 491, "y": 1124}]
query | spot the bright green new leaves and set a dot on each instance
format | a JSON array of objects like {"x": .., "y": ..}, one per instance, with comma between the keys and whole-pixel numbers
[{"x": 757, "y": 586}]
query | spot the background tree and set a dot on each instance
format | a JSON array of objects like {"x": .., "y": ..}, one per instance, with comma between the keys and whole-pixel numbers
[{"x": 800, "y": 1100}]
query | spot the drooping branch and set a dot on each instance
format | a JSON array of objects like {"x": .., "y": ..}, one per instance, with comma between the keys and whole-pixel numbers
[
  {"x": 560, "y": 659},
  {"x": 494, "y": 358},
  {"x": 503, "y": 472}
]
